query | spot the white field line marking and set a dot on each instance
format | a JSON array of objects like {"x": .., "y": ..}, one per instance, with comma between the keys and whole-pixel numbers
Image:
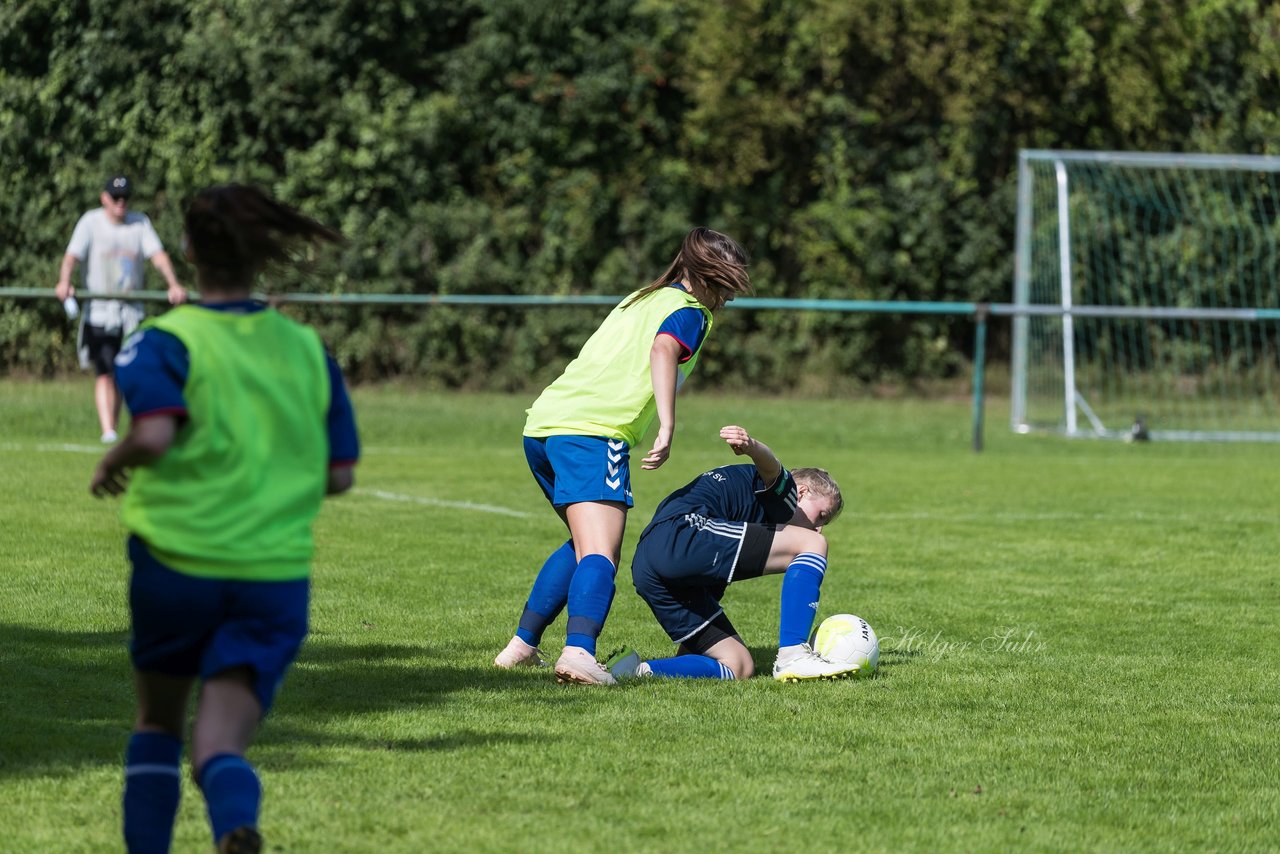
[
  {"x": 54, "y": 447},
  {"x": 437, "y": 502},
  {"x": 49, "y": 447},
  {"x": 67, "y": 447},
  {"x": 1062, "y": 516}
]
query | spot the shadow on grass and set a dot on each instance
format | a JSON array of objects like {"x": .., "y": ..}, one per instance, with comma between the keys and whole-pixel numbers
[
  {"x": 67, "y": 700},
  {"x": 896, "y": 656}
]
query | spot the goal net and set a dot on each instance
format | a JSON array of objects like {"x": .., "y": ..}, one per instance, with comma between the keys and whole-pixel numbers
[{"x": 1147, "y": 296}]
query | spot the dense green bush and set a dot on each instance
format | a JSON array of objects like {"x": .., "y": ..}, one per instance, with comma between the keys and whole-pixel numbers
[{"x": 862, "y": 151}]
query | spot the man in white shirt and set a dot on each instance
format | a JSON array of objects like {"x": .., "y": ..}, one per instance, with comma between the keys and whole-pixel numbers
[{"x": 110, "y": 243}]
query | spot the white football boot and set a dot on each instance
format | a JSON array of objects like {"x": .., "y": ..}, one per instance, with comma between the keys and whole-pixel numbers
[
  {"x": 578, "y": 667},
  {"x": 519, "y": 654},
  {"x": 805, "y": 665}
]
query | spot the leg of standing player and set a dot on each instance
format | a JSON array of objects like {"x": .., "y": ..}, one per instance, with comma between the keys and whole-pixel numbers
[
  {"x": 107, "y": 401},
  {"x": 227, "y": 717},
  {"x": 152, "y": 779},
  {"x": 103, "y": 347},
  {"x": 597, "y": 528},
  {"x": 547, "y": 598},
  {"x": 550, "y": 591},
  {"x": 587, "y": 481}
]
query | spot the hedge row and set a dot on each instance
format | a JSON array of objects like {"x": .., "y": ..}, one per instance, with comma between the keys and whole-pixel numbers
[{"x": 858, "y": 150}]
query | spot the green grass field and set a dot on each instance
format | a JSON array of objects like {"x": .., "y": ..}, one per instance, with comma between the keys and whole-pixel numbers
[{"x": 1079, "y": 649}]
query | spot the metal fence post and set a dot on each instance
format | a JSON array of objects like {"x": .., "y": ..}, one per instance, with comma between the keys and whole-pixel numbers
[{"x": 981, "y": 311}]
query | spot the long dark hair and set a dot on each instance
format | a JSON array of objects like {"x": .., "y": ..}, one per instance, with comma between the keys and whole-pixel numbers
[
  {"x": 235, "y": 231},
  {"x": 712, "y": 264}
]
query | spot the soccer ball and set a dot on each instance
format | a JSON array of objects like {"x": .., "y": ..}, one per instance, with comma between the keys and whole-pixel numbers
[{"x": 848, "y": 639}]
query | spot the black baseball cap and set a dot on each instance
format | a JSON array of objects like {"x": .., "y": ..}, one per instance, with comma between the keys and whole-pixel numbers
[{"x": 119, "y": 185}]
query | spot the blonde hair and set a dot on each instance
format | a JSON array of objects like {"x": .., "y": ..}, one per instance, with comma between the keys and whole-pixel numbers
[
  {"x": 821, "y": 482},
  {"x": 712, "y": 264}
]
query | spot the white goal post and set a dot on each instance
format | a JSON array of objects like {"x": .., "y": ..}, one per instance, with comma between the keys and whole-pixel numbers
[{"x": 1147, "y": 296}]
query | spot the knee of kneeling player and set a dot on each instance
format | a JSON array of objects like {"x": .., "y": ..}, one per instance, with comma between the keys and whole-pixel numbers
[
  {"x": 810, "y": 541},
  {"x": 742, "y": 665},
  {"x": 800, "y": 540}
]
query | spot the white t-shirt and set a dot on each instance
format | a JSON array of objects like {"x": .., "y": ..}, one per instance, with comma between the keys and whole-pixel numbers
[{"x": 112, "y": 259}]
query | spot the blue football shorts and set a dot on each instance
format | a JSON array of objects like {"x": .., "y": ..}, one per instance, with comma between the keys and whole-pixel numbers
[
  {"x": 682, "y": 567},
  {"x": 189, "y": 626},
  {"x": 572, "y": 469}
]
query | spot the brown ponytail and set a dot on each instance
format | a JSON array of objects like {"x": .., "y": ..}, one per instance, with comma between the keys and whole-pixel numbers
[{"x": 712, "y": 264}]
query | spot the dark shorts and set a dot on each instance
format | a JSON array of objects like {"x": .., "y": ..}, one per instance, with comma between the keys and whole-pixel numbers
[
  {"x": 103, "y": 347},
  {"x": 189, "y": 626},
  {"x": 572, "y": 469},
  {"x": 682, "y": 567}
]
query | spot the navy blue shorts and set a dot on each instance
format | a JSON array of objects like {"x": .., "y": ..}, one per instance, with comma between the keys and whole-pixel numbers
[
  {"x": 682, "y": 567},
  {"x": 572, "y": 469},
  {"x": 189, "y": 626}
]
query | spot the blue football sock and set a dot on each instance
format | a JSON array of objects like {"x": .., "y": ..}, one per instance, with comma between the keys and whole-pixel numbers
[
  {"x": 690, "y": 667},
  {"x": 232, "y": 793},
  {"x": 549, "y": 594},
  {"x": 590, "y": 595},
  {"x": 152, "y": 787},
  {"x": 801, "y": 587}
]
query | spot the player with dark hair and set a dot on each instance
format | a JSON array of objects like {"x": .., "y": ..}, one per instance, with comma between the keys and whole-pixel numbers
[
  {"x": 241, "y": 425},
  {"x": 580, "y": 432},
  {"x": 730, "y": 524}
]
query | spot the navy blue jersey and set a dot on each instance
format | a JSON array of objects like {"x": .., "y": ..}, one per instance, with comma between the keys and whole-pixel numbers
[{"x": 734, "y": 494}]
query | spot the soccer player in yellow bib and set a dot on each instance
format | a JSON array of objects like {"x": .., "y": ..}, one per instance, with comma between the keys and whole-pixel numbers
[
  {"x": 580, "y": 433},
  {"x": 240, "y": 426}
]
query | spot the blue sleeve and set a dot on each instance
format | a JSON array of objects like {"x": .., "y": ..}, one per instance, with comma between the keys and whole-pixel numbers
[
  {"x": 151, "y": 373},
  {"x": 779, "y": 499},
  {"x": 344, "y": 441},
  {"x": 689, "y": 327}
]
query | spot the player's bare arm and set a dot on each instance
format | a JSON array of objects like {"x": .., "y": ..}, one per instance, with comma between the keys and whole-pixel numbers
[
  {"x": 765, "y": 459},
  {"x": 148, "y": 440},
  {"x": 177, "y": 293},
  {"x": 64, "y": 288},
  {"x": 663, "y": 359}
]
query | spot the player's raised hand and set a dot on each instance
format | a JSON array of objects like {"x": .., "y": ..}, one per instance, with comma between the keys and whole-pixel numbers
[
  {"x": 742, "y": 443},
  {"x": 738, "y": 438}
]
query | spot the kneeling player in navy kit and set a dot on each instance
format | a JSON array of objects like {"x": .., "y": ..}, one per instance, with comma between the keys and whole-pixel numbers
[{"x": 730, "y": 524}]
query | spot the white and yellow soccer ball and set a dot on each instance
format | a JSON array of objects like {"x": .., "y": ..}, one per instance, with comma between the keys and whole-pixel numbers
[{"x": 848, "y": 639}]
